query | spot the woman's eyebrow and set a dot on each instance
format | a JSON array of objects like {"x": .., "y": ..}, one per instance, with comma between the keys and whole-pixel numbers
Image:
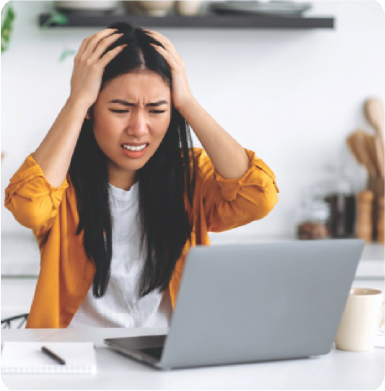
[{"x": 125, "y": 103}]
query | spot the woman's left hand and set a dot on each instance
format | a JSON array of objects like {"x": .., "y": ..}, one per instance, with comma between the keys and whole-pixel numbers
[{"x": 181, "y": 94}]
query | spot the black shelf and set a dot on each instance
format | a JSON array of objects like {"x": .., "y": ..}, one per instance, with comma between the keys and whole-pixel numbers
[{"x": 103, "y": 19}]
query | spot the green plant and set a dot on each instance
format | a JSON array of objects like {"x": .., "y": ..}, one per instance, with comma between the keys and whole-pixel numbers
[
  {"x": 55, "y": 18},
  {"x": 7, "y": 17},
  {"x": 61, "y": 20}
]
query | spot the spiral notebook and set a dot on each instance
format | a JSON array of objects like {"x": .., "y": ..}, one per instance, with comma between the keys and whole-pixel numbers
[{"x": 27, "y": 357}]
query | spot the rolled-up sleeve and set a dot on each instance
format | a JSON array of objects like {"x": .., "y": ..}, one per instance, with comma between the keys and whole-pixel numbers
[
  {"x": 31, "y": 199},
  {"x": 230, "y": 203}
]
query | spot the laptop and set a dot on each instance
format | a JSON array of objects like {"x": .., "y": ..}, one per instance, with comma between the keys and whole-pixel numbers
[{"x": 246, "y": 303}]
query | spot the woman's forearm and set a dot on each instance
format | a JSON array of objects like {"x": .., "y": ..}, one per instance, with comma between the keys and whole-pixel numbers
[
  {"x": 55, "y": 152},
  {"x": 227, "y": 155}
]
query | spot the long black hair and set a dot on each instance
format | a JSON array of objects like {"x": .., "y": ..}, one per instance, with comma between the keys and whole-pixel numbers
[{"x": 166, "y": 181}]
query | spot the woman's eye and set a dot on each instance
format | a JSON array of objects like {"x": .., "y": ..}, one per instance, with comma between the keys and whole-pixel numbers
[{"x": 126, "y": 111}]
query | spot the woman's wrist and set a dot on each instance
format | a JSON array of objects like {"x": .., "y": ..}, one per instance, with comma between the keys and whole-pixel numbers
[
  {"x": 186, "y": 106},
  {"x": 77, "y": 103}
]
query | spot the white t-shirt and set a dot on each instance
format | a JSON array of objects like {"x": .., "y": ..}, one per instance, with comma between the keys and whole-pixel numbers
[{"x": 121, "y": 305}]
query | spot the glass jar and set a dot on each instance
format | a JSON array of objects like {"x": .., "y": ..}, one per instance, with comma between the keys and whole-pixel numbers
[
  {"x": 342, "y": 202},
  {"x": 314, "y": 219}
]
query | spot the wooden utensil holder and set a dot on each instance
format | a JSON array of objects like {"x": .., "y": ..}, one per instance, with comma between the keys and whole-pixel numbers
[{"x": 376, "y": 185}]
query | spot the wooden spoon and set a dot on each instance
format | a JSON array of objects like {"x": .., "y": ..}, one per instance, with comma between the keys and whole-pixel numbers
[
  {"x": 374, "y": 113},
  {"x": 357, "y": 144},
  {"x": 361, "y": 147},
  {"x": 352, "y": 145},
  {"x": 372, "y": 152}
]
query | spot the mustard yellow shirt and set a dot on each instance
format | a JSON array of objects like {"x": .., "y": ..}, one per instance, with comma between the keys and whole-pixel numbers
[{"x": 66, "y": 273}]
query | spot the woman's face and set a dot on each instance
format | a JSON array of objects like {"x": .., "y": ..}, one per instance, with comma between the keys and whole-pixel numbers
[{"x": 131, "y": 116}]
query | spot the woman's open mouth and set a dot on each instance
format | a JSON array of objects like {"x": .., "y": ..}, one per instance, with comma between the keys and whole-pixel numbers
[{"x": 134, "y": 151}]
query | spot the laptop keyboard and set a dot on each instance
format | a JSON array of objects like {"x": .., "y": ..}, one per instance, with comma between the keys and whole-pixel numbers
[{"x": 154, "y": 352}]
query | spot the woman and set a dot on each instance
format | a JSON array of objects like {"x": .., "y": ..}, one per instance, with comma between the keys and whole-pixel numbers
[{"x": 116, "y": 194}]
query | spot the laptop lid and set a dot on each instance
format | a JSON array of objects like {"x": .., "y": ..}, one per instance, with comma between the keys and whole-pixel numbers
[{"x": 257, "y": 302}]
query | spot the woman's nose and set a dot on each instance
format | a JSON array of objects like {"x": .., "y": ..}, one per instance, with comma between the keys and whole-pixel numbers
[{"x": 137, "y": 125}]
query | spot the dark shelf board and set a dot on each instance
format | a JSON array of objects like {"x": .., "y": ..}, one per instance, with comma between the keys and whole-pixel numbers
[{"x": 103, "y": 19}]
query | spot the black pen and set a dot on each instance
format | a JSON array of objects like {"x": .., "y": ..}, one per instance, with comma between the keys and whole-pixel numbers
[{"x": 52, "y": 355}]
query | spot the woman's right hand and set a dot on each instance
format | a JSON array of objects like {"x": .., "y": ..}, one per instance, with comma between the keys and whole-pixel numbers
[{"x": 89, "y": 65}]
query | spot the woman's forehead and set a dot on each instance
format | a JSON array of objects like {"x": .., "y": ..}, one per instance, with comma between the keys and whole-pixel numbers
[
  {"x": 147, "y": 85},
  {"x": 146, "y": 77}
]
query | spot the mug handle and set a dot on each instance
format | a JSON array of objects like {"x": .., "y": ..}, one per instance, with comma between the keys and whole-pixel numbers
[{"x": 381, "y": 320}]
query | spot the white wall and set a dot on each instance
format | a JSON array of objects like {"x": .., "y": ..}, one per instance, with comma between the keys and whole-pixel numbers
[{"x": 292, "y": 96}]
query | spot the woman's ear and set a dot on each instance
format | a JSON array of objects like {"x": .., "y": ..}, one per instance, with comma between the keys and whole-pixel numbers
[{"x": 88, "y": 115}]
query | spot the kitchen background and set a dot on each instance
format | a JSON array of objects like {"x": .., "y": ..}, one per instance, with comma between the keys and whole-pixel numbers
[{"x": 293, "y": 96}]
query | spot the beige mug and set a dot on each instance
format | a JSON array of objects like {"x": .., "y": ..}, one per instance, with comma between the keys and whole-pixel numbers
[{"x": 360, "y": 320}]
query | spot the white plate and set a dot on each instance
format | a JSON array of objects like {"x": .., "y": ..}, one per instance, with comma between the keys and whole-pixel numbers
[
  {"x": 86, "y": 5},
  {"x": 276, "y": 8}
]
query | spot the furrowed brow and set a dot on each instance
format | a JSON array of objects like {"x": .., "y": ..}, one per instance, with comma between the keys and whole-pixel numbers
[{"x": 125, "y": 103}]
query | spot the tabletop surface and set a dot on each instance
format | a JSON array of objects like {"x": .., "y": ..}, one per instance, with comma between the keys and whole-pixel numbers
[{"x": 336, "y": 370}]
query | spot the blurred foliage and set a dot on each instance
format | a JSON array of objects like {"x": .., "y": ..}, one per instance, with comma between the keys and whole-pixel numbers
[
  {"x": 59, "y": 19},
  {"x": 7, "y": 17},
  {"x": 66, "y": 53},
  {"x": 55, "y": 18}
]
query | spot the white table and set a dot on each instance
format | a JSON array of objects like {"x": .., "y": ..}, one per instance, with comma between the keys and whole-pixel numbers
[{"x": 336, "y": 370}]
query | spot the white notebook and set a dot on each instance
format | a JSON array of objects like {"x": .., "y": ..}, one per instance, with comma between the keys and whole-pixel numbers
[{"x": 27, "y": 357}]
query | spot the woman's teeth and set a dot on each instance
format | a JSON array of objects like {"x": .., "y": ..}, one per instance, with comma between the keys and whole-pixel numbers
[{"x": 132, "y": 148}]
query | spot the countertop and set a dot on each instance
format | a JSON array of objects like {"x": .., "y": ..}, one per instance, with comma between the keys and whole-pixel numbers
[{"x": 336, "y": 370}]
